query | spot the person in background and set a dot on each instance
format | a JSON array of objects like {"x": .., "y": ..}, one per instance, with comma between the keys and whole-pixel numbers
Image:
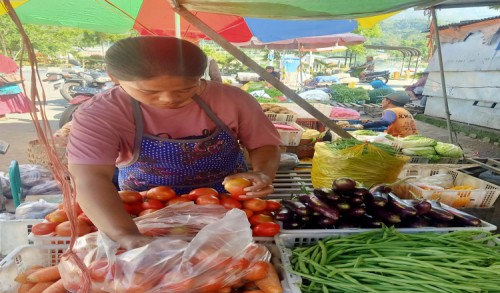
[
  {"x": 398, "y": 120},
  {"x": 12, "y": 98},
  {"x": 270, "y": 69},
  {"x": 368, "y": 67},
  {"x": 212, "y": 71},
  {"x": 163, "y": 125},
  {"x": 415, "y": 90}
]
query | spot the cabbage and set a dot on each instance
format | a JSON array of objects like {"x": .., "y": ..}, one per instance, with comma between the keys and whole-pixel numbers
[
  {"x": 413, "y": 141},
  {"x": 419, "y": 151},
  {"x": 365, "y": 132},
  {"x": 448, "y": 150}
]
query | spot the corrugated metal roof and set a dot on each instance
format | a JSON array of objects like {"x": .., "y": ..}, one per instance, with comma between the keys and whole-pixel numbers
[{"x": 467, "y": 22}]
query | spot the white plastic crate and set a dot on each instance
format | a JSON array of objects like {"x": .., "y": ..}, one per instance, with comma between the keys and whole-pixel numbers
[
  {"x": 25, "y": 257},
  {"x": 14, "y": 233},
  {"x": 281, "y": 117},
  {"x": 291, "y": 137},
  {"x": 484, "y": 195},
  {"x": 424, "y": 160}
]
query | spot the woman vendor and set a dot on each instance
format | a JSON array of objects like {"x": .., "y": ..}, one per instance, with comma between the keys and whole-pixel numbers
[{"x": 164, "y": 126}]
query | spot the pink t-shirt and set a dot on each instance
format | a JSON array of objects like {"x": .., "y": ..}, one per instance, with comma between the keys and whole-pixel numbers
[{"x": 103, "y": 128}]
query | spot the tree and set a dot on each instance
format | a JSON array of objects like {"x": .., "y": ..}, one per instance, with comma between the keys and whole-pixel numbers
[{"x": 368, "y": 33}]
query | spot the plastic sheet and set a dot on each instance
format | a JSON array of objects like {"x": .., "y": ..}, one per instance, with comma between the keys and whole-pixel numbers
[
  {"x": 35, "y": 209},
  {"x": 220, "y": 255}
]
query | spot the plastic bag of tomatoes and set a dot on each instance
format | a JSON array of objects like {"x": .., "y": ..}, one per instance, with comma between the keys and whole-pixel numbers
[{"x": 220, "y": 257}]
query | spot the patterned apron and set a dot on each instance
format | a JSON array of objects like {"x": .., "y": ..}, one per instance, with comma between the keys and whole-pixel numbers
[{"x": 183, "y": 164}]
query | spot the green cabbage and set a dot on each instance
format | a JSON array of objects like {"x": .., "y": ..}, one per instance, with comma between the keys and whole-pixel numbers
[
  {"x": 448, "y": 150},
  {"x": 365, "y": 132},
  {"x": 419, "y": 151},
  {"x": 414, "y": 141}
]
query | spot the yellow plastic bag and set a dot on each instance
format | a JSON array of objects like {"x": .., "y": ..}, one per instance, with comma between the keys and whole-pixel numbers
[{"x": 364, "y": 163}]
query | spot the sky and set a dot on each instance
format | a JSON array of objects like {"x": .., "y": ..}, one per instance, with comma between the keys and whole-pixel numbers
[{"x": 452, "y": 15}]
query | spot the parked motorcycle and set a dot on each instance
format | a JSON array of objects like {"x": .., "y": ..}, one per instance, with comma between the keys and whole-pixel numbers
[
  {"x": 91, "y": 82},
  {"x": 369, "y": 77}
]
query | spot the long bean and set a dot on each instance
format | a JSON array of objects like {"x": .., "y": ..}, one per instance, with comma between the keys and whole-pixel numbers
[{"x": 389, "y": 261}]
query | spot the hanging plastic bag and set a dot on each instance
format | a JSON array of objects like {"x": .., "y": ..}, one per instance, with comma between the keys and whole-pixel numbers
[
  {"x": 35, "y": 209},
  {"x": 363, "y": 162},
  {"x": 221, "y": 255}
]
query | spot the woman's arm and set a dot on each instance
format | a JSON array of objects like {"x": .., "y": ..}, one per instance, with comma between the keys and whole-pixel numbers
[{"x": 100, "y": 201}]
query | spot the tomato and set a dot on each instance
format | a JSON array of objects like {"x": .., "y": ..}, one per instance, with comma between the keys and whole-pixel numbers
[
  {"x": 195, "y": 193},
  {"x": 241, "y": 197},
  {"x": 235, "y": 186},
  {"x": 64, "y": 229},
  {"x": 152, "y": 204},
  {"x": 161, "y": 193},
  {"x": 99, "y": 269},
  {"x": 267, "y": 213},
  {"x": 57, "y": 216},
  {"x": 224, "y": 195},
  {"x": 178, "y": 199},
  {"x": 248, "y": 212},
  {"x": 230, "y": 203},
  {"x": 129, "y": 196},
  {"x": 176, "y": 282},
  {"x": 185, "y": 195},
  {"x": 83, "y": 217},
  {"x": 207, "y": 199},
  {"x": 255, "y": 204},
  {"x": 267, "y": 229},
  {"x": 147, "y": 211},
  {"x": 257, "y": 271},
  {"x": 238, "y": 265},
  {"x": 44, "y": 228},
  {"x": 260, "y": 218},
  {"x": 272, "y": 205},
  {"x": 133, "y": 208}
]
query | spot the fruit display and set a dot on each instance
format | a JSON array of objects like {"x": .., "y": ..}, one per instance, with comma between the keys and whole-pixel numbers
[{"x": 346, "y": 206}]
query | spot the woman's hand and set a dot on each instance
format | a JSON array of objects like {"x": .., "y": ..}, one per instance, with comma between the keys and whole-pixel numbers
[
  {"x": 261, "y": 183},
  {"x": 132, "y": 241}
]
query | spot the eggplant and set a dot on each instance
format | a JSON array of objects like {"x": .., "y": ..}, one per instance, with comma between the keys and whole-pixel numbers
[
  {"x": 292, "y": 225},
  {"x": 343, "y": 206},
  {"x": 355, "y": 200},
  {"x": 317, "y": 205},
  {"x": 324, "y": 222},
  {"x": 367, "y": 221},
  {"x": 463, "y": 218},
  {"x": 357, "y": 212},
  {"x": 388, "y": 217},
  {"x": 296, "y": 206},
  {"x": 438, "y": 213},
  {"x": 361, "y": 191},
  {"x": 305, "y": 218},
  {"x": 344, "y": 184},
  {"x": 347, "y": 223},
  {"x": 415, "y": 222},
  {"x": 284, "y": 214},
  {"x": 422, "y": 206},
  {"x": 322, "y": 192},
  {"x": 439, "y": 224},
  {"x": 330, "y": 197},
  {"x": 400, "y": 207},
  {"x": 380, "y": 188},
  {"x": 377, "y": 199}
]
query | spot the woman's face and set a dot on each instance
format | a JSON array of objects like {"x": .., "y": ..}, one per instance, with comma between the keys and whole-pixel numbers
[{"x": 167, "y": 92}]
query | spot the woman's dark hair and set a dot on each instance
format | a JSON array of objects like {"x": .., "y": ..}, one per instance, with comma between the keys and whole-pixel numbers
[{"x": 146, "y": 57}]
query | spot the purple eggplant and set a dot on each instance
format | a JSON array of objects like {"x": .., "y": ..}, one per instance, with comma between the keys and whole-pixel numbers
[
  {"x": 357, "y": 212},
  {"x": 317, "y": 205},
  {"x": 360, "y": 191},
  {"x": 329, "y": 197},
  {"x": 355, "y": 200},
  {"x": 438, "y": 213},
  {"x": 296, "y": 206},
  {"x": 380, "y": 188},
  {"x": 367, "y": 221},
  {"x": 422, "y": 206},
  {"x": 388, "y": 217},
  {"x": 322, "y": 192},
  {"x": 324, "y": 222},
  {"x": 347, "y": 223},
  {"x": 343, "y": 206},
  {"x": 292, "y": 225},
  {"x": 439, "y": 224},
  {"x": 344, "y": 185},
  {"x": 400, "y": 207},
  {"x": 284, "y": 214},
  {"x": 377, "y": 199},
  {"x": 415, "y": 222},
  {"x": 463, "y": 218}
]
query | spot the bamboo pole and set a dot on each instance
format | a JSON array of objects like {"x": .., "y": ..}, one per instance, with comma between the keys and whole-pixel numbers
[{"x": 191, "y": 18}]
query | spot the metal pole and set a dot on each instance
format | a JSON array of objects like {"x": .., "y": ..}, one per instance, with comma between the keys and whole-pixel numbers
[
  {"x": 441, "y": 71},
  {"x": 177, "y": 25}
]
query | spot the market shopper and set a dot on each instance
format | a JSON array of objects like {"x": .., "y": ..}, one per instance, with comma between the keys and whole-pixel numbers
[
  {"x": 398, "y": 120},
  {"x": 12, "y": 98},
  {"x": 164, "y": 126}
]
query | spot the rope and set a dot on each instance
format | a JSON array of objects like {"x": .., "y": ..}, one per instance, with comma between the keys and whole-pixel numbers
[{"x": 46, "y": 139}]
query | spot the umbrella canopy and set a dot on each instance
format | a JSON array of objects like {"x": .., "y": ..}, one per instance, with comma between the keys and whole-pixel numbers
[
  {"x": 8, "y": 65},
  {"x": 306, "y": 43},
  {"x": 229, "y": 19}
]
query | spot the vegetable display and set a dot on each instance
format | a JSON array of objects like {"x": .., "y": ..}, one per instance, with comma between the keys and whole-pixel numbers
[
  {"x": 388, "y": 261},
  {"x": 348, "y": 206}
]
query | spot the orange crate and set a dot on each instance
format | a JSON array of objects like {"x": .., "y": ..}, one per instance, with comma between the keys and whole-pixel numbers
[{"x": 311, "y": 123}]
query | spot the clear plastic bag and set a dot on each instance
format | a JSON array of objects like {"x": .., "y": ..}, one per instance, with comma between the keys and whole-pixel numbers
[
  {"x": 219, "y": 256},
  {"x": 32, "y": 175},
  {"x": 440, "y": 180},
  {"x": 46, "y": 187},
  {"x": 288, "y": 161},
  {"x": 35, "y": 209}
]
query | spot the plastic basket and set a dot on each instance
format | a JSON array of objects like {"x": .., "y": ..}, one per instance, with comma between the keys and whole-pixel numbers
[
  {"x": 25, "y": 257},
  {"x": 37, "y": 155},
  {"x": 291, "y": 137},
  {"x": 424, "y": 160},
  {"x": 14, "y": 233},
  {"x": 484, "y": 195},
  {"x": 311, "y": 123},
  {"x": 281, "y": 117}
]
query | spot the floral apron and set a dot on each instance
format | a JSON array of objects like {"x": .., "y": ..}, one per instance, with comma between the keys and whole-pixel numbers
[{"x": 183, "y": 164}]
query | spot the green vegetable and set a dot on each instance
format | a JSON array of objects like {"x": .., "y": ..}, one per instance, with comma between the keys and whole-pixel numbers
[
  {"x": 419, "y": 151},
  {"x": 344, "y": 143},
  {"x": 413, "y": 141},
  {"x": 365, "y": 132},
  {"x": 388, "y": 261},
  {"x": 449, "y": 150},
  {"x": 376, "y": 94},
  {"x": 344, "y": 94}
]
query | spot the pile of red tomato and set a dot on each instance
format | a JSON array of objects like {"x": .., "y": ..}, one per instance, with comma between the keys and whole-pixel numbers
[
  {"x": 57, "y": 224},
  {"x": 260, "y": 212}
]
